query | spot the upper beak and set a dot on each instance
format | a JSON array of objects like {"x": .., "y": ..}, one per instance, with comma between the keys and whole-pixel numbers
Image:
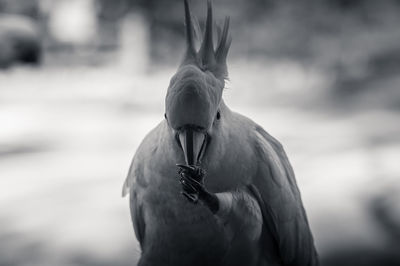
[{"x": 193, "y": 143}]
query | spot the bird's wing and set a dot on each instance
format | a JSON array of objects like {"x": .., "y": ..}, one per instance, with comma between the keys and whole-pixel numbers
[
  {"x": 284, "y": 216},
  {"x": 130, "y": 178},
  {"x": 136, "y": 182},
  {"x": 133, "y": 187},
  {"x": 137, "y": 216}
]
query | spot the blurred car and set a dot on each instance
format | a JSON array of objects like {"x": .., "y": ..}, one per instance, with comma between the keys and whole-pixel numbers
[{"x": 20, "y": 40}]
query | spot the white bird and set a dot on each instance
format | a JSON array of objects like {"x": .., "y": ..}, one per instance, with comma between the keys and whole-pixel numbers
[{"x": 250, "y": 210}]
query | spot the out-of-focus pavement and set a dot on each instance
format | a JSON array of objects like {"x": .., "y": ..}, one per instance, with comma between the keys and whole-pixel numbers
[{"x": 67, "y": 136}]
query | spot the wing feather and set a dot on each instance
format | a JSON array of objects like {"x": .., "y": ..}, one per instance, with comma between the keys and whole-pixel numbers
[
  {"x": 133, "y": 187},
  {"x": 136, "y": 182},
  {"x": 283, "y": 213},
  {"x": 137, "y": 217}
]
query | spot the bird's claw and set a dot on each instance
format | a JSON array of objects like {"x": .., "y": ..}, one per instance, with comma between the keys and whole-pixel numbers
[
  {"x": 187, "y": 167},
  {"x": 193, "y": 188},
  {"x": 192, "y": 170},
  {"x": 194, "y": 198},
  {"x": 192, "y": 181}
]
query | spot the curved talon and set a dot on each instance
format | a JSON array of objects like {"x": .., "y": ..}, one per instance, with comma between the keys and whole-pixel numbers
[
  {"x": 197, "y": 172},
  {"x": 187, "y": 167},
  {"x": 188, "y": 185},
  {"x": 189, "y": 188},
  {"x": 192, "y": 198},
  {"x": 192, "y": 181}
]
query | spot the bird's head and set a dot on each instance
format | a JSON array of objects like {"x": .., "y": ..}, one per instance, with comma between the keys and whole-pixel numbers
[{"x": 195, "y": 91}]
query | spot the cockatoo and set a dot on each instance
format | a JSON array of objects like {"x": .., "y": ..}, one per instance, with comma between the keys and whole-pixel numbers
[{"x": 209, "y": 186}]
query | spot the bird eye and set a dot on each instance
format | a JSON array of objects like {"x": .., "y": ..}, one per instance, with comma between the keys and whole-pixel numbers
[
  {"x": 165, "y": 116},
  {"x": 218, "y": 115}
]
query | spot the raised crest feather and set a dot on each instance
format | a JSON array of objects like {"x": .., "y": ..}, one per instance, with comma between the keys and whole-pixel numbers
[
  {"x": 206, "y": 52},
  {"x": 207, "y": 58}
]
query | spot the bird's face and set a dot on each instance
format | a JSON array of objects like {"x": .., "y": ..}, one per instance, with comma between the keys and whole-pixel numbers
[
  {"x": 192, "y": 103},
  {"x": 195, "y": 91}
]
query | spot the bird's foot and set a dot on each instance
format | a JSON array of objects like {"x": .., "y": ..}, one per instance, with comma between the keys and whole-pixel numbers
[
  {"x": 192, "y": 181},
  {"x": 193, "y": 188}
]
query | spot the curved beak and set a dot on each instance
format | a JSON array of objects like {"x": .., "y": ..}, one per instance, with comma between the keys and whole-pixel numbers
[{"x": 193, "y": 145}]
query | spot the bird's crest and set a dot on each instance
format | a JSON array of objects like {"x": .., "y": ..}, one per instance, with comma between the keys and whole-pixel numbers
[{"x": 207, "y": 58}]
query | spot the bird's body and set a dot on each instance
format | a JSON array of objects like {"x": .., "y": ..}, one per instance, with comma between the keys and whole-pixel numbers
[
  {"x": 251, "y": 211},
  {"x": 172, "y": 223},
  {"x": 174, "y": 232}
]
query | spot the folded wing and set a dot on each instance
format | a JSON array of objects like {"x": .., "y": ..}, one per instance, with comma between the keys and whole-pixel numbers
[{"x": 286, "y": 228}]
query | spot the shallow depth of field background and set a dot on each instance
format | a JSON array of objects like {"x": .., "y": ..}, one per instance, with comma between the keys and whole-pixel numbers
[{"x": 321, "y": 76}]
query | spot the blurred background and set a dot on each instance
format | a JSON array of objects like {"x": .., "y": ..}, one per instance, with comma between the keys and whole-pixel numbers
[{"x": 83, "y": 81}]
